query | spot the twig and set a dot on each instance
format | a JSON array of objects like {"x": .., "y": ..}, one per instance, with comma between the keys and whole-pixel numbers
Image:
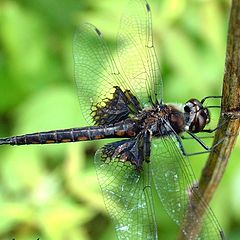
[
  {"x": 230, "y": 111},
  {"x": 230, "y": 115}
]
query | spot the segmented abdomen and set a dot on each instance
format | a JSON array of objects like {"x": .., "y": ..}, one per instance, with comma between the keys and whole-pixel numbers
[{"x": 72, "y": 135}]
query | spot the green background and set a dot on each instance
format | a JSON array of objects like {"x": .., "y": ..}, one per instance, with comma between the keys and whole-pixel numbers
[{"x": 51, "y": 191}]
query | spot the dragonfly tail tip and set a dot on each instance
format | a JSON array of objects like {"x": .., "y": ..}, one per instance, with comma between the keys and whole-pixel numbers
[{"x": 4, "y": 141}]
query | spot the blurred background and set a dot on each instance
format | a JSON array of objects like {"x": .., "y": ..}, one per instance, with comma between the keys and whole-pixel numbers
[{"x": 52, "y": 192}]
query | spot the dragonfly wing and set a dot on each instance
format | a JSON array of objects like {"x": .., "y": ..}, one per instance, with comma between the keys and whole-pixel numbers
[
  {"x": 134, "y": 68},
  {"x": 136, "y": 52},
  {"x": 174, "y": 181},
  {"x": 127, "y": 194},
  {"x": 96, "y": 72}
]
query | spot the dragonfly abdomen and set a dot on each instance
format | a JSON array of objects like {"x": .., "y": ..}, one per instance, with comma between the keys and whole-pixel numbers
[{"x": 70, "y": 135}]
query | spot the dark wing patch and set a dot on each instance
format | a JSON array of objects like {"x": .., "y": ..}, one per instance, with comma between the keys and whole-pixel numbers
[
  {"x": 116, "y": 109},
  {"x": 125, "y": 151}
]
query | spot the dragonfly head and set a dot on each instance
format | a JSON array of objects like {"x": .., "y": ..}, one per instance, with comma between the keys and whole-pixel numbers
[{"x": 197, "y": 116}]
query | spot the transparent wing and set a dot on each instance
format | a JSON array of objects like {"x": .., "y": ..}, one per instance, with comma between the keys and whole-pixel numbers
[
  {"x": 174, "y": 182},
  {"x": 135, "y": 69},
  {"x": 128, "y": 197},
  {"x": 136, "y": 51},
  {"x": 96, "y": 73}
]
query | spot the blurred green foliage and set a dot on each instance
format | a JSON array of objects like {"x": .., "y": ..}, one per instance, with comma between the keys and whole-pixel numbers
[{"x": 51, "y": 192}]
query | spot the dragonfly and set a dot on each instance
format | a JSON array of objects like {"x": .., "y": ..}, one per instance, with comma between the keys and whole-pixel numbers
[{"x": 121, "y": 97}]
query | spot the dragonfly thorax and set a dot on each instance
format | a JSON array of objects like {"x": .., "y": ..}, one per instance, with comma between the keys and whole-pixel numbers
[{"x": 164, "y": 120}]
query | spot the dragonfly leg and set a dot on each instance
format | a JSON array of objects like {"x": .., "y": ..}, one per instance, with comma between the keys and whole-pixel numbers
[
  {"x": 198, "y": 140},
  {"x": 208, "y": 97},
  {"x": 200, "y": 137},
  {"x": 207, "y": 149},
  {"x": 216, "y": 128},
  {"x": 147, "y": 145}
]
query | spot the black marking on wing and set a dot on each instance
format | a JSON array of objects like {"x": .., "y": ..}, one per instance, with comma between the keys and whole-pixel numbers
[
  {"x": 125, "y": 150},
  {"x": 98, "y": 31},
  {"x": 111, "y": 111},
  {"x": 135, "y": 151},
  {"x": 148, "y": 7}
]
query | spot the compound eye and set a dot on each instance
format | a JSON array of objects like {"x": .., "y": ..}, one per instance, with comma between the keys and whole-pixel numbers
[
  {"x": 200, "y": 121},
  {"x": 187, "y": 109}
]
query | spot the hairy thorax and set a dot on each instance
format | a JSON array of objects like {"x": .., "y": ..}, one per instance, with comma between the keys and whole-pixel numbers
[{"x": 162, "y": 120}]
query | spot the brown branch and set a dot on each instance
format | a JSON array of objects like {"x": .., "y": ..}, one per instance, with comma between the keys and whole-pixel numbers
[
  {"x": 230, "y": 112},
  {"x": 230, "y": 117}
]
